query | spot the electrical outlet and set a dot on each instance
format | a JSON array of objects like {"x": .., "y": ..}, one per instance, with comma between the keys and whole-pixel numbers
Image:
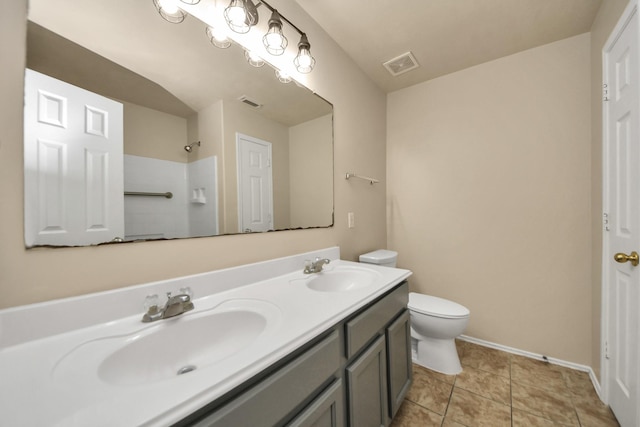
[{"x": 351, "y": 220}]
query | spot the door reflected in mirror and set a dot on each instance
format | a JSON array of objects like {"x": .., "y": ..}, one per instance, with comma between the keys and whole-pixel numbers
[{"x": 186, "y": 108}]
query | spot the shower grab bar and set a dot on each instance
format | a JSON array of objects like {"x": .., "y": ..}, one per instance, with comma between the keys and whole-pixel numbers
[
  {"x": 168, "y": 194},
  {"x": 366, "y": 178}
]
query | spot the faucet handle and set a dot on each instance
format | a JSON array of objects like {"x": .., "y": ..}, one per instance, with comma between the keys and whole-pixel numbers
[
  {"x": 187, "y": 291},
  {"x": 308, "y": 266},
  {"x": 152, "y": 310},
  {"x": 151, "y": 301}
]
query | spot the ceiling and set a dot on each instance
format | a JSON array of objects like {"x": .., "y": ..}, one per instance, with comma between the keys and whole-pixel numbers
[{"x": 444, "y": 35}]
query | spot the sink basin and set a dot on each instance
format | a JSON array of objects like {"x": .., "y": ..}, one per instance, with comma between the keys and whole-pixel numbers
[
  {"x": 172, "y": 347},
  {"x": 342, "y": 280}
]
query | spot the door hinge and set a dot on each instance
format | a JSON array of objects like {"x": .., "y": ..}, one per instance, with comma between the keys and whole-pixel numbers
[
  {"x": 606, "y": 350},
  {"x": 605, "y": 92},
  {"x": 605, "y": 221}
]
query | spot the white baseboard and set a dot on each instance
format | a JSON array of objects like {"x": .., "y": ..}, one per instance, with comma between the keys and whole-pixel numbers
[{"x": 543, "y": 358}]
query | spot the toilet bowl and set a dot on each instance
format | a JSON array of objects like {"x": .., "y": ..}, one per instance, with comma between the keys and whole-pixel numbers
[{"x": 435, "y": 323}]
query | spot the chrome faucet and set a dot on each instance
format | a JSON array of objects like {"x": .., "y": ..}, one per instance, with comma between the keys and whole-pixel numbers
[
  {"x": 176, "y": 305},
  {"x": 316, "y": 265}
]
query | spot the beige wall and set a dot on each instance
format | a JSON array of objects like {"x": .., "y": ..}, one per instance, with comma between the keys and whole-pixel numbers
[
  {"x": 34, "y": 275},
  {"x": 311, "y": 163},
  {"x": 489, "y": 195},
  {"x": 206, "y": 126},
  {"x": 154, "y": 134},
  {"x": 238, "y": 118},
  {"x": 605, "y": 21}
]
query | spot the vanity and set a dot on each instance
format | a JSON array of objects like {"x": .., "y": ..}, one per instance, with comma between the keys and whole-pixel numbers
[{"x": 265, "y": 345}]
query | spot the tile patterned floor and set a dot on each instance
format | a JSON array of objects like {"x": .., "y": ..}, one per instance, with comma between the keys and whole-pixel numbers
[{"x": 497, "y": 389}]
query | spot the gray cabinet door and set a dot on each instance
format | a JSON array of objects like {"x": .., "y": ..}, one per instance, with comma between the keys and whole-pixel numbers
[
  {"x": 399, "y": 355},
  {"x": 367, "y": 384},
  {"x": 327, "y": 410}
]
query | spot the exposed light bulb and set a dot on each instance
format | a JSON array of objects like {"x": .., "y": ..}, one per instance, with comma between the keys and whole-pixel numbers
[
  {"x": 218, "y": 37},
  {"x": 304, "y": 62},
  {"x": 236, "y": 15},
  {"x": 241, "y": 15},
  {"x": 274, "y": 41},
  {"x": 169, "y": 6}
]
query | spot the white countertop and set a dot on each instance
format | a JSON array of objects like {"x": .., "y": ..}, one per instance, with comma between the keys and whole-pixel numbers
[{"x": 46, "y": 380}]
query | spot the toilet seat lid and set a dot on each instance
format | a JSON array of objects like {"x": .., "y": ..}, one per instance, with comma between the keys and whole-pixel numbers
[{"x": 434, "y": 306}]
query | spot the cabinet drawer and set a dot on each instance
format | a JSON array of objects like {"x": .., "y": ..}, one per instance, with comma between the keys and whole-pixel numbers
[
  {"x": 362, "y": 328},
  {"x": 267, "y": 403}
]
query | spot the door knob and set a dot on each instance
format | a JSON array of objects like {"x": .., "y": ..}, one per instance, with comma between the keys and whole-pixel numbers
[{"x": 622, "y": 258}]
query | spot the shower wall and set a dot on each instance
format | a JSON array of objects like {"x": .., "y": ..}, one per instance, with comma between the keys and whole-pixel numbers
[{"x": 190, "y": 212}]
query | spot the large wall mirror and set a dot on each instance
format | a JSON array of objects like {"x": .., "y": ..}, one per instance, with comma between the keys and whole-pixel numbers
[{"x": 138, "y": 129}]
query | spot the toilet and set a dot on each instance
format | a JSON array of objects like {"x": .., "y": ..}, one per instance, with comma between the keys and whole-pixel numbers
[{"x": 435, "y": 323}]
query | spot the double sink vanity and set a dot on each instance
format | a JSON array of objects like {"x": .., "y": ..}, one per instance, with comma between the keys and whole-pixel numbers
[{"x": 265, "y": 344}]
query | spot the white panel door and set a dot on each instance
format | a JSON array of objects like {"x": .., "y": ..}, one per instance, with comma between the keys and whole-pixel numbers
[
  {"x": 255, "y": 192},
  {"x": 73, "y": 151},
  {"x": 621, "y": 296}
]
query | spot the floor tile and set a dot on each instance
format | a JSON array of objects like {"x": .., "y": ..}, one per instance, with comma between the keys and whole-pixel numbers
[
  {"x": 578, "y": 382},
  {"x": 538, "y": 374},
  {"x": 412, "y": 415},
  {"x": 448, "y": 423},
  {"x": 498, "y": 389},
  {"x": 429, "y": 392},
  {"x": 485, "y": 384},
  {"x": 544, "y": 403},
  {"x": 460, "y": 346},
  {"x": 524, "y": 419},
  {"x": 472, "y": 410},
  {"x": 596, "y": 418},
  {"x": 486, "y": 359},
  {"x": 589, "y": 406},
  {"x": 449, "y": 379}
]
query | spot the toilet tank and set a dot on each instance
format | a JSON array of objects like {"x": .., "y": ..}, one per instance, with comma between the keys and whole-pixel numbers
[{"x": 380, "y": 257}]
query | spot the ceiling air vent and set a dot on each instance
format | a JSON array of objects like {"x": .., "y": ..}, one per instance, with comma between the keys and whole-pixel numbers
[
  {"x": 250, "y": 102},
  {"x": 401, "y": 64}
]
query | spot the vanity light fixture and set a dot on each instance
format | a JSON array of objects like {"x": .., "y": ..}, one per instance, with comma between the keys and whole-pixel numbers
[
  {"x": 218, "y": 37},
  {"x": 241, "y": 16},
  {"x": 170, "y": 9}
]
